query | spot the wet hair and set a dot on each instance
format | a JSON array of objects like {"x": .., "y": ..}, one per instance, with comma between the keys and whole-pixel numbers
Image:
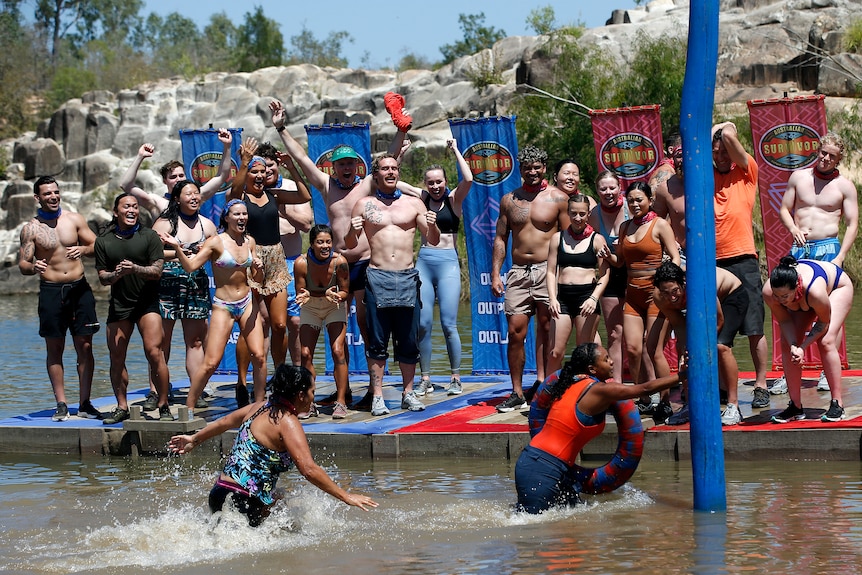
[
  {"x": 317, "y": 230},
  {"x": 531, "y": 154},
  {"x": 44, "y": 180},
  {"x": 784, "y": 275},
  {"x": 169, "y": 167},
  {"x": 286, "y": 384},
  {"x": 607, "y": 174},
  {"x": 436, "y": 167},
  {"x": 831, "y": 138},
  {"x": 579, "y": 198},
  {"x": 375, "y": 163},
  {"x": 268, "y": 151},
  {"x": 578, "y": 367},
  {"x": 669, "y": 272},
  {"x": 172, "y": 212},
  {"x": 559, "y": 165},
  {"x": 222, "y": 222},
  {"x": 642, "y": 186}
]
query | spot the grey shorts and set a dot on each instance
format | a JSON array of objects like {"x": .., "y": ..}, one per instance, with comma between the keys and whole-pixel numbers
[{"x": 526, "y": 287}]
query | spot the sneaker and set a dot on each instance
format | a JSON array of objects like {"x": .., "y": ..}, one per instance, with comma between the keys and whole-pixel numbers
[
  {"x": 645, "y": 407},
  {"x": 760, "y": 398},
  {"x": 411, "y": 402},
  {"x": 366, "y": 403},
  {"x": 201, "y": 403},
  {"x": 425, "y": 386},
  {"x": 151, "y": 402},
  {"x": 835, "y": 412},
  {"x": 779, "y": 386},
  {"x": 378, "y": 406},
  {"x": 312, "y": 412},
  {"x": 116, "y": 416},
  {"x": 87, "y": 411},
  {"x": 454, "y": 387},
  {"x": 165, "y": 413},
  {"x": 340, "y": 411},
  {"x": 512, "y": 403},
  {"x": 731, "y": 415},
  {"x": 680, "y": 417},
  {"x": 822, "y": 384},
  {"x": 792, "y": 413},
  {"x": 332, "y": 399},
  {"x": 528, "y": 395},
  {"x": 662, "y": 412},
  {"x": 242, "y": 398},
  {"x": 62, "y": 412}
]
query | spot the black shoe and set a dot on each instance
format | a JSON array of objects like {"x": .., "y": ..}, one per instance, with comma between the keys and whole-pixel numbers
[
  {"x": 662, "y": 412},
  {"x": 835, "y": 413},
  {"x": 165, "y": 413},
  {"x": 62, "y": 412},
  {"x": 242, "y": 398},
  {"x": 86, "y": 410},
  {"x": 364, "y": 404},
  {"x": 530, "y": 393},
  {"x": 760, "y": 399},
  {"x": 512, "y": 403},
  {"x": 645, "y": 407},
  {"x": 116, "y": 416},
  {"x": 792, "y": 413},
  {"x": 151, "y": 402}
]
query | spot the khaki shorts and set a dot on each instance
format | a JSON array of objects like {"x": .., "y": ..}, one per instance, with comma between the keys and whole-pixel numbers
[
  {"x": 525, "y": 287},
  {"x": 319, "y": 311}
]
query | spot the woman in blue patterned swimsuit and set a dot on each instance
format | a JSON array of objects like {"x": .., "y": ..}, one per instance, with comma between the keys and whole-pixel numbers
[{"x": 265, "y": 447}]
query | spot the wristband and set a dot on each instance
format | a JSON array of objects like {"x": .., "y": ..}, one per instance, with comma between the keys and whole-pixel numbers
[
  {"x": 280, "y": 129},
  {"x": 592, "y": 297}
]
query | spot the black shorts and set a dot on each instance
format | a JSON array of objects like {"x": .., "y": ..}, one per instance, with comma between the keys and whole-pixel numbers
[
  {"x": 734, "y": 308},
  {"x": 617, "y": 284},
  {"x": 133, "y": 315},
  {"x": 253, "y": 508},
  {"x": 67, "y": 306},
  {"x": 572, "y": 297},
  {"x": 357, "y": 275},
  {"x": 747, "y": 269}
]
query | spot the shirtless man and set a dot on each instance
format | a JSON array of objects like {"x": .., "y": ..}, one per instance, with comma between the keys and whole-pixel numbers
[
  {"x": 813, "y": 205},
  {"x": 52, "y": 245},
  {"x": 389, "y": 221},
  {"x": 731, "y": 305},
  {"x": 669, "y": 192},
  {"x": 532, "y": 214},
  {"x": 171, "y": 173}
]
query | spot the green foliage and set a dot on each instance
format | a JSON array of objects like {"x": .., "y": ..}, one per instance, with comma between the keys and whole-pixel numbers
[
  {"x": 259, "y": 42},
  {"x": 306, "y": 48},
  {"x": 486, "y": 70},
  {"x": 18, "y": 64},
  {"x": 542, "y": 20},
  {"x": 411, "y": 61},
  {"x": 220, "y": 37},
  {"x": 69, "y": 82},
  {"x": 476, "y": 37},
  {"x": 847, "y": 123},
  {"x": 852, "y": 40}
]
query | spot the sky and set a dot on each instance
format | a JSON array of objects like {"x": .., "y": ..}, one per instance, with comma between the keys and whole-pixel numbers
[{"x": 383, "y": 32}]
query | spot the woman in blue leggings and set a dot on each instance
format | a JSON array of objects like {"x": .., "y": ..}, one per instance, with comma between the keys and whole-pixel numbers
[{"x": 440, "y": 271}]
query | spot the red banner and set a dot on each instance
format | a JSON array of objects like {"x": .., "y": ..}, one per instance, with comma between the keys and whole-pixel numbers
[
  {"x": 786, "y": 134},
  {"x": 628, "y": 142}
]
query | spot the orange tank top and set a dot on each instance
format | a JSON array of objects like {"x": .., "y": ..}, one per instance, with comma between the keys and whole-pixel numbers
[
  {"x": 563, "y": 436},
  {"x": 644, "y": 255}
]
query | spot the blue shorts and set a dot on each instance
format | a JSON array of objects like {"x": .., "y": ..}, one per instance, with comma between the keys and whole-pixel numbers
[
  {"x": 292, "y": 306},
  {"x": 357, "y": 275},
  {"x": 543, "y": 481},
  {"x": 824, "y": 250}
]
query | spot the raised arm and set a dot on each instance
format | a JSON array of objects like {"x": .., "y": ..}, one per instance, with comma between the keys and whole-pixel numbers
[
  {"x": 466, "y": 181},
  {"x": 730, "y": 138},
  {"x": 210, "y": 188},
  {"x": 301, "y": 195},
  {"x": 316, "y": 177},
  {"x": 127, "y": 181},
  {"x": 246, "y": 153}
]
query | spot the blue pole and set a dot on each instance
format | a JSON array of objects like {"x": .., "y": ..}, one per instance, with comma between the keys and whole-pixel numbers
[{"x": 707, "y": 447}]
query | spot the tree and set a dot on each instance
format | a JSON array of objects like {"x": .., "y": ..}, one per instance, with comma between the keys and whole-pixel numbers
[
  {"x": 259, "y": 42},
  {"x": 411, "y": 61},
  {"x": 476, "y": 37},
  {"x": 19, "y": 59},
  {"x": 542, "y": 20},
  {"x": 219, "y": 42},
  {"x": 175, "y": 44},
  {"x": 306, "y": 48}
]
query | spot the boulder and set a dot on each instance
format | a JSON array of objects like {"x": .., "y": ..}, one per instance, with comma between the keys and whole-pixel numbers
[
  {"x": 41, "y": 157},
  {"x": 68, "y": 126},
  {"x": 840, "y": 75},
  {"x": 14, "y": 188},
  {"x": 101, "y": 131},
  {"x": 19, "y": 209},
  {"x": 97, "y": 170}
]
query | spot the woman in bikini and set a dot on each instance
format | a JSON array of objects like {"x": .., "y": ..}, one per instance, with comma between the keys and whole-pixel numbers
[
  {"x": 234, "y": 266},
  {"x": 184, "y": 296},
  {"x": 800, "y": 293},
  {"x": 573, "y": 290},
  {"x": 270, "y": 441}
]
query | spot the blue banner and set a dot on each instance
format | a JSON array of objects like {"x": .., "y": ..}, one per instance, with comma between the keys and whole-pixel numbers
[
  {"x": 322, "y": 140},
  {"x": 490, "y": 147},
  {"x": 202, "y": 156}
]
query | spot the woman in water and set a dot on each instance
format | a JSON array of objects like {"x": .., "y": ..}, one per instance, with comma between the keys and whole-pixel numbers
[
  {"x": 234, "y": 265},
  {"x": 270, "y": 441},
  {"x": 183, "y": 295},
  {"x": 583, "y": 392},
  {"x": 797, "y": 299},
  {"x": 573, "y": 290},
  {"x": 322, "y": 282},
  {"x": 439, "y": 270}
]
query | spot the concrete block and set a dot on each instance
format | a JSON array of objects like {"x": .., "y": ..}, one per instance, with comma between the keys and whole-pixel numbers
[
  {"x": 93, "y": 441},
  {"x": 330, "y": 447},
  {"x": 385, "y": 446}
]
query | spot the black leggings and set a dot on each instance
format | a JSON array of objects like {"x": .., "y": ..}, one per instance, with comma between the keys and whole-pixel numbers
[{"x": 253, "y": 508}]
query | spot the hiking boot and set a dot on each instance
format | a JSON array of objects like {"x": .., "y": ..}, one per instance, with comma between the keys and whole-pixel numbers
[
  {"x": 165, "y": 413},
  {"x": 425, "y": 386},
  {"x": 822, "y": 384},
  {"x": 779, "y": 386},
  {"x": 378, "y": 406},
  {"x": 680, "y": 417},
  {"x": 151, "y": 402},
  {"x": 62, "y": 412},
  {"x": 792, "y": 413},
  {"x": 411, "y": 402},
  {"x": 760, "y": 398},
  {"x": 835, "y": 412},
  {"x": 512, "y": 403},
  {"x": 332, "y": 399},
  {"x": 340, "y": 411},
  {"x": 454, "y": 387},
  {"x": 662, "y": 412},
  {"x": 87, "y": 411},
  {"x": 731, "y": 415},
  {"x": 312, "y": 412},
  {"x": 201, "y": 403},
  {"x": 242, "y": 398},
  {"x": 116, "y": 416},
  {"x": 366, "y": 403}
]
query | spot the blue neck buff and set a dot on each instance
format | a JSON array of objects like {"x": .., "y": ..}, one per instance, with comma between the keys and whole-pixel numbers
[
  {"x": 129, "y": 232},
  {"x": 49, "y": 216},
  {"x": 314, "y": 259},
  {"x": 192, "y": 219},
  {"x": 393, "y": 196},
  {"x": 356, "y": 180}
]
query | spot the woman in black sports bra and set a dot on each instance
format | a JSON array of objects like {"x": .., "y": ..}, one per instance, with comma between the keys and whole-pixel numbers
[
  {"x": 573, "y": 290},
  {"x": 797, "y": 297}
]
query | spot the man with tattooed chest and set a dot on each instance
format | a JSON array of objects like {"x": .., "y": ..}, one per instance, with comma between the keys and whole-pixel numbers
[
  {"x": 532, "y": 214},
  {"x": 389, "y": 221},
  {"x": 52, "y": 245}
]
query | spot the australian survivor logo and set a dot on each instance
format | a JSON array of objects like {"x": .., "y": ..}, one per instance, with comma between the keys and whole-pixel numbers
[
  {"x": 490, "y": 162},
  {"x": 629, "y": 155},
  {"x": 790, "y": 146}
]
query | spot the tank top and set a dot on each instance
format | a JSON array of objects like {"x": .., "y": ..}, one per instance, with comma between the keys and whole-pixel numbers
[
  {"x": 447, "y": 221},
  {"x": 644, "y": 255},
  {"x": 586, "y": 259},
  {"x": 318, "y": 290},
  {"x": 608, "y": 233},
  {"x": 263, "y": 220}
]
